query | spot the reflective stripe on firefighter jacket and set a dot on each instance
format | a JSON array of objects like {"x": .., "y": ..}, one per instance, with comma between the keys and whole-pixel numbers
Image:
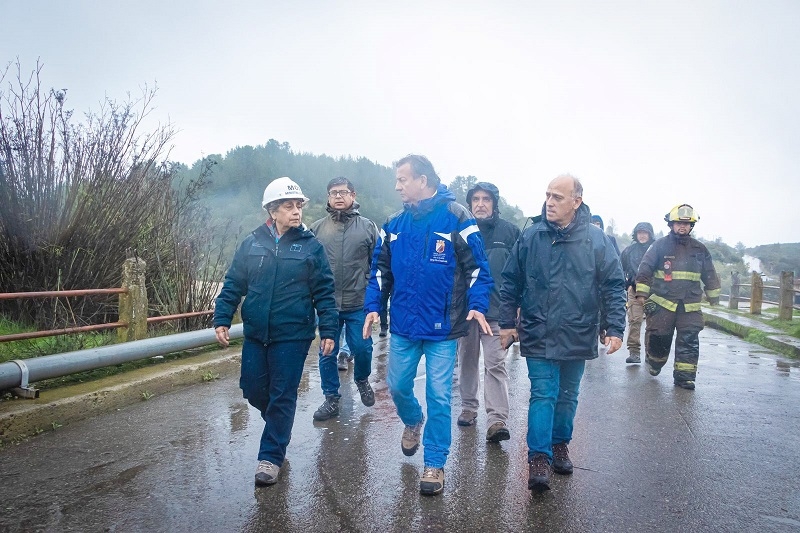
[{"x": 671, "y": 272}]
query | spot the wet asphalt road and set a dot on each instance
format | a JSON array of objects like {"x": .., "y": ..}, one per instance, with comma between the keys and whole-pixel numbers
[{"x": 648, "y": 457}]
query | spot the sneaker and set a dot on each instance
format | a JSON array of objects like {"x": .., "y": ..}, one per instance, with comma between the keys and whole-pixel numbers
[
  {"x": 341, "y": 361},
  {"x": 266, "y": 473},
  {"x": 467, "y": 417},
  {"x": 432, "y": 481},
  {"x": 328, "y": 409},
  {"x": 653, "y": 371},
  {"x": 689, "y": 385},
  {"x": 366, "y": 392},
  {"x": 384, "y": 331},
  {"x": 410, "y": 441},
  {"x": 634, "y": 358},
  {"x": 539, "y": 473},
  {"x": 561, "y": 462}
]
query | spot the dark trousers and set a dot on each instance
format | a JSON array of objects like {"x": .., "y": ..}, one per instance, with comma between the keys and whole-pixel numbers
[
  {"x": 658, "y": 341},
  {"x": 269, "y": 381}
]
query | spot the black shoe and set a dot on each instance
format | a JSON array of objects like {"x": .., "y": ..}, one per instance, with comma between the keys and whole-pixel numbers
[
  {"x": 384, "y": 330},
  {"x": 366, "y": 392},
  {"x": 689, "y": 385},
  {"x": 328, "y": 409},
  {"x": 341, "y": 361},
  {"x": 539, "y": 473},
  {"x": 561, "y": 462}
]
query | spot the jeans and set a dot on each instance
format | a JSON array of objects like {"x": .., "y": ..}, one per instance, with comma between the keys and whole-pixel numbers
[
  {"x": 495, "y": 377},
  {"x": 554, "y": 400},
  {"x": 360, "y": 349},
  {"x": 269, "y": 381},
  {"x": 440, "y": 359}
]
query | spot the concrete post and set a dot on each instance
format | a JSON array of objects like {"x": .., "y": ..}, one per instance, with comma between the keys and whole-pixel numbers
[
  {"x": 733, "y": 302},
  {"x": 787, "y": 296},
  {"x": 757, "y": 296},
  {"x": 133, "y": 304}
]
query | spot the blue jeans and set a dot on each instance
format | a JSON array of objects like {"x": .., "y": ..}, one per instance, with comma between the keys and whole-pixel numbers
[
  {"x": 269, "y": 381},
  {"x": 554, "y": 400},
  {"x": 440, "y": 359},
  {"x": 360, "y": 349}
]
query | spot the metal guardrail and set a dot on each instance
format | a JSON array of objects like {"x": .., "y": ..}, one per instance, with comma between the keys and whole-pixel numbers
[{"x": 18, "y": 374}]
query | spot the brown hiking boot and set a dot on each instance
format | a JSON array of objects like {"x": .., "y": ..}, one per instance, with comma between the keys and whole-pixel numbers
[
  {"x": 467, "y": 417},
  {"x": 561, "y": 462},
  {"x": 432, "y": 481},
  {"x": 497, "y": 432},
  {"x": 539, "y": 473},
  {"x": 410, "y": 440}
]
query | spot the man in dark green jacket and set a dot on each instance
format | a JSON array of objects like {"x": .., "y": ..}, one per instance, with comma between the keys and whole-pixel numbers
[{"x": 349, "y": 240}]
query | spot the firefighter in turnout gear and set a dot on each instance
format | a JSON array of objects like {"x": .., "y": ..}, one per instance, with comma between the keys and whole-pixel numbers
[{"x": 669, "y": 280}]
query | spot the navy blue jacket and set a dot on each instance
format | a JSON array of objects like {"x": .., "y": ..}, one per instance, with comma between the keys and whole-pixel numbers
[
  {"x": 283, "y": 284},
  {"x": 499, "y": 237},
  {"x": 559, "y": 278},
  {"x": 431, "y": 257}
]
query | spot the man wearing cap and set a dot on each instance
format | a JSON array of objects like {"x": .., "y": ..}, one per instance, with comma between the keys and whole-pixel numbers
[{"x": 499, "y": 237}]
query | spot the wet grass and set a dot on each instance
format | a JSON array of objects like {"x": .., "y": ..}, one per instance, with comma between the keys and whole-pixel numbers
[{"x": 769, "y": 317}]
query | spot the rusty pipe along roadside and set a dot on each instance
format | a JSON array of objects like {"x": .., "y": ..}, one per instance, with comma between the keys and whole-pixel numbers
[{"x": 19, "y": 373}]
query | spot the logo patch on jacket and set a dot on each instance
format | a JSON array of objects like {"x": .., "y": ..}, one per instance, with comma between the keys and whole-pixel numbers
[
  {"x": 438, "y": 255},
  {"x": 295, "y": 247}
]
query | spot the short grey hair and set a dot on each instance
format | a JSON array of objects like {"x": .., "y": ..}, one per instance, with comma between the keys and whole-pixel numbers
[{"x": 577, "y": 186}]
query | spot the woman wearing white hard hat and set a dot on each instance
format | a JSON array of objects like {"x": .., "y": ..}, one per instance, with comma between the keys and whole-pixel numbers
[{"x": 283, "y": 271}]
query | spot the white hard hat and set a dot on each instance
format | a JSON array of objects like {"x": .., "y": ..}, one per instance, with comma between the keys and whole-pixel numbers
[{"x": 282, "y": 189}]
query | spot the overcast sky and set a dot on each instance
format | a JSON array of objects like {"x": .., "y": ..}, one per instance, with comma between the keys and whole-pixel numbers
[{"x": 650, "y": 104}]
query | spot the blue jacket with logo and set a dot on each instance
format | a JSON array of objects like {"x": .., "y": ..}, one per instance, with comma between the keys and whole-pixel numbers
[
  {"x": 284, "y": 283},
  {"x": 431, "y": 257}
]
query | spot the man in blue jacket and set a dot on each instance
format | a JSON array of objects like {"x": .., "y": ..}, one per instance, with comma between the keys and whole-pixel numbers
[
  {"x": 565, "y": 279},
  {"x": 431, "y": 257}
]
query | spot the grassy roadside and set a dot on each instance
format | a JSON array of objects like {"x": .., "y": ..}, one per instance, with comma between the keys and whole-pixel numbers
[{"x": 769, "y": 317}]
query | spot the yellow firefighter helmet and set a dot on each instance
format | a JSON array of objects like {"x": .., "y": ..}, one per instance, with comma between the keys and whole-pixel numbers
[{"x": 682, "y": 213}]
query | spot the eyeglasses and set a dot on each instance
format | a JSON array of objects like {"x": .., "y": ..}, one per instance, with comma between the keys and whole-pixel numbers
[{"x": 338, "y": 194}]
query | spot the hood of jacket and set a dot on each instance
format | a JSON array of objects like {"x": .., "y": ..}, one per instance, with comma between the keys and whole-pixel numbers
[
  {"x": 340, "y": 215},
  {"x": 644, "y": 226}
]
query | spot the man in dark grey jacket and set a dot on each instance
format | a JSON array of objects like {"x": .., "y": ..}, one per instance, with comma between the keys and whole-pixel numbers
[
  {"x": 565, "y": 278},
  {"x": 348, "y": 239},
  {"x": 499, "y": 237}
]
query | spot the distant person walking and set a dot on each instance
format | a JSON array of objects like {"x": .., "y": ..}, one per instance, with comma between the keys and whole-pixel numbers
[
  {"x": 282, "y": 270},
  {"x": 561, "y": 273},
  {"x": 349, "y": 240},
  {"x": 432, "y": 259},
  {"x": 631, "y": 256},
  {"x": 669, "y": 278},
  {"x": 499, "y": 237}
]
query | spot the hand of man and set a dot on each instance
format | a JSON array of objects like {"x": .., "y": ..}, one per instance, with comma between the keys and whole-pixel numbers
[
  {"x": 327, "y": 346},
  {"x": 477, "y": 315},
  {"x": 222, "y": 336},
  {"x": 508, "y": 337},
  {"x": 371, "y": 318},
  {"x": 612, "y": 343}
]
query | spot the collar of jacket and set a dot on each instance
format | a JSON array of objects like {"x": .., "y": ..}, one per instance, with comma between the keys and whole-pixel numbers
[
  {"x": 680, "y": 239},
  {"x": 264, "y": 233},
  {"x": 340, "y": 215},
  {"x": 423, "y": 207},
  {"x": 486, "y": 223},
  {"x": 582, "y": 217}
]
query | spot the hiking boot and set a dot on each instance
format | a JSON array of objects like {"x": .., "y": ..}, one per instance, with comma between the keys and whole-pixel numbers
[
  {"x": 689, "y": 385},
  {"x": 341, "y": 361},
  {"x": 367, "y": 395},
  {"x": 384, "y": 331},
  {"x": 266, "y": 473},
  {"x": 539, "y": 473},
  {"x": 634, "y": 358},
  {"x": 561, "y": 462},
  {"x": 467, "y": 417},
  {"x": 653, "y": 371},
  {"x": 432, "y": 481},
  {"x": 497, "y": 432},
  {"x": 328, "y": 409},
  {"x": 410, "y": 440}
]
